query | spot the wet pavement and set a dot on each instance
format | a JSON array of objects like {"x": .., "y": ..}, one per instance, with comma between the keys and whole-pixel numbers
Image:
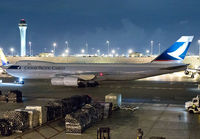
[{"x": 160, "y": 100}]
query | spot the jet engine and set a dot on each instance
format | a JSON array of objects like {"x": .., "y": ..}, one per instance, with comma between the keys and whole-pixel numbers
[{"x": 64, "y": 81}]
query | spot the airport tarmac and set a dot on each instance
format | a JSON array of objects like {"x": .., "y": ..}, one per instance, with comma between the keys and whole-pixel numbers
[{"x": 160, "y": 100}]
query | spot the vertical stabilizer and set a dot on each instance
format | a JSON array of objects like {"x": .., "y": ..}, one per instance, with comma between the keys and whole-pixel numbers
[
  {"x": 3, "y": 58},
  {"x": 177, "y": 52}
]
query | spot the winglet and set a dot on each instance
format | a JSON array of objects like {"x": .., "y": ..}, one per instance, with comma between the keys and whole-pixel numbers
[
  {"x": 3, "y": 58},
  {"x": 177, "y": 52}
]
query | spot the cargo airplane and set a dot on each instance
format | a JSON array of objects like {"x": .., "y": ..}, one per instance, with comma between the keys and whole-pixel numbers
[{"x": 76, "y": 74}]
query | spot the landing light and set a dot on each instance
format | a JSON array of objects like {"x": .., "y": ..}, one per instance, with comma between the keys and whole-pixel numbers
[{"x": 21, "y": 79}]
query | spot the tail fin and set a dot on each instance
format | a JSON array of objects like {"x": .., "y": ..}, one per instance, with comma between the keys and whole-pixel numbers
[
  {"x": 177, "y": 52},
  {"x": 3, "y": 58}
]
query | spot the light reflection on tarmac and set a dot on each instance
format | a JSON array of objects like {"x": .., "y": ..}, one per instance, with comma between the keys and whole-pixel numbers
[{"x": 10, "y": 84}]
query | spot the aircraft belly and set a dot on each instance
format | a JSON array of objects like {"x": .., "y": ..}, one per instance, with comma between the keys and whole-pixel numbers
[
  {"x": 39, "y": 75},
  {"x": 135, "y": 75}
]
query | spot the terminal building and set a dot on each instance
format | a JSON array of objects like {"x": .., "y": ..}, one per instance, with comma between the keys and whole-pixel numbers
[{"x": 22, "y": 29}]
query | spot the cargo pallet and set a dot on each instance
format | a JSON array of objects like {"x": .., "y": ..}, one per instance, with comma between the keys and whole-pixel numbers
[{"x": 36, "y": 129}]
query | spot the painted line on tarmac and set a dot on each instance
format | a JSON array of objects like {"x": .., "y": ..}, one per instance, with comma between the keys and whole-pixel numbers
[
  {"x": 150, "y": 88},
  {"x": 157, "y": 88}
]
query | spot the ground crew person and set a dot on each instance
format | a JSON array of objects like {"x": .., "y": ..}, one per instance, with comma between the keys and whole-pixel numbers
[{"x": 139, "y": 133}]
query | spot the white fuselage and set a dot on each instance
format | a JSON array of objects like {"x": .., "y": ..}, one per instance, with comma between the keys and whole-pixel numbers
[{"x": 48, "y": 70}]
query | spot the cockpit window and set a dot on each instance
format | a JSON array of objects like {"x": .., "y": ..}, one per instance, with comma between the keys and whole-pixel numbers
[{"x": 14, "y": 67}]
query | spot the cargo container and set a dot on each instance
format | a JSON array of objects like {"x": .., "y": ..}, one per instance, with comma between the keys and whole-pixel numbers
[
  {"x": 42, "y": 113},
  {"x": 115, "y": 99},
  {"x": 33, "y": 118},
  {"x": 107, "y": 109},
  {"x": 4, "y": 98},
  {"x": 14, "y": 96},
  {"x": 5, "y": 127},
  {"x": 77, "y": 122},
  {"x": 18, "y": 120}
]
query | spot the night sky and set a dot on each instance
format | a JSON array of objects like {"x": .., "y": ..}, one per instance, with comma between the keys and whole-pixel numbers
[{"x": 125, "y": 23}]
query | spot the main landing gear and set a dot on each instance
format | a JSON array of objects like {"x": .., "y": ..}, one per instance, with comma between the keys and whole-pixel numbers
[{"x": 83, "y": 84}]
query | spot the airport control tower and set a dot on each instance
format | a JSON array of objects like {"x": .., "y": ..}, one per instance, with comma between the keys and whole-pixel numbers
[{"x": 22, "y": 28}]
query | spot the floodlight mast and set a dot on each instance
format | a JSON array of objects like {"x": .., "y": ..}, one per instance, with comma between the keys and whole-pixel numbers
[
  {"x": 151, "y": 47},
  {"x": 199, "y": 49},
  {"x": 108, "y": 43}
]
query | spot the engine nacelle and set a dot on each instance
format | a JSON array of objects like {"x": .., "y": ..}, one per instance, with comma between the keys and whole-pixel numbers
[{"x": 64, "y": 81}]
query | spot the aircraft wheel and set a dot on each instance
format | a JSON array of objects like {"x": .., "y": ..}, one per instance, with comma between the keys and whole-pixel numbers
[
  {"x": 89, "y": 85},
  {"x": 96, "y": 83},
  {"x": 192, "y": 76},
  {"x": 92, "y": 84},
  {"x": 81, "y": 85}
]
